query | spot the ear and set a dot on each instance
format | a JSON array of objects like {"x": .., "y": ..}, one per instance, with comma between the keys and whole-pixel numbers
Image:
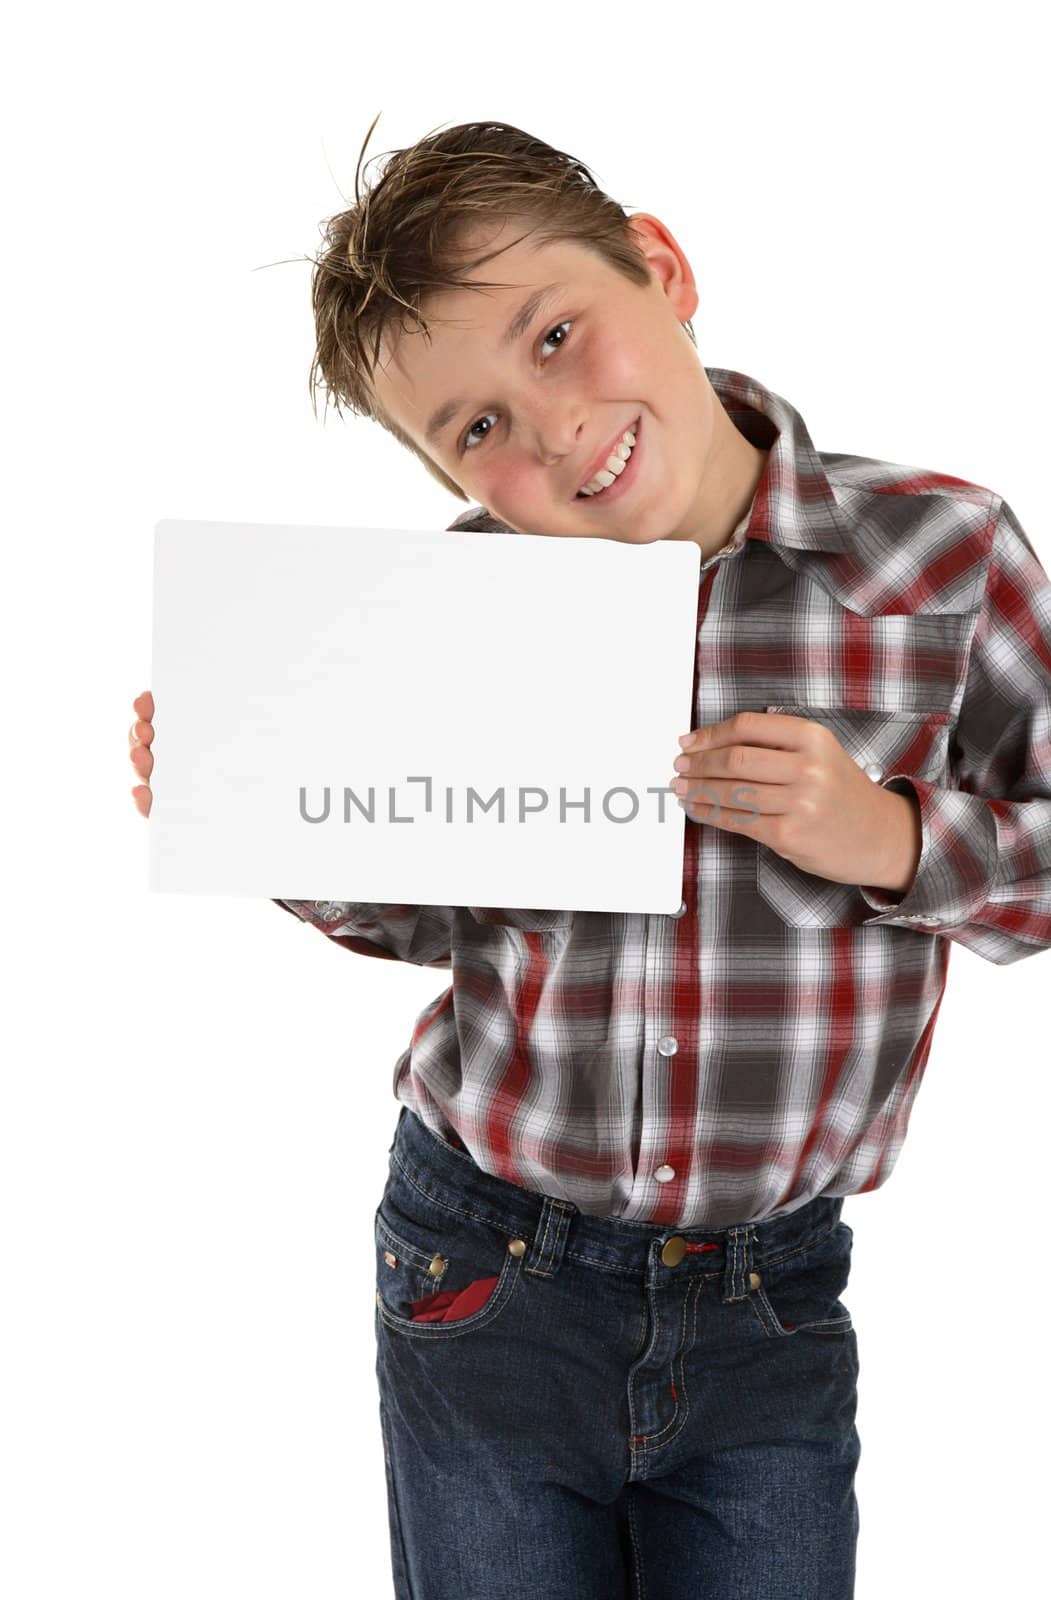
[{"x": 667, "y": 262}]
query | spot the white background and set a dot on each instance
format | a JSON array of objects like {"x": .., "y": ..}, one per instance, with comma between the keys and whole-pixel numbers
[{"x": 188, "y": 1399}]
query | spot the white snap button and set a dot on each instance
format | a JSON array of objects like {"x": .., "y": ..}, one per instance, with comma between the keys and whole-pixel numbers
[
  {"x": 874, "y": 772},
  {"x": 668, "y": 1045},
  {"x": 664, "y": 1174}
]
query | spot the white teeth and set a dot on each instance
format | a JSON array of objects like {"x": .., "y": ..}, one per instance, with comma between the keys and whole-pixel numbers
[{"x": 615, "y": 465}]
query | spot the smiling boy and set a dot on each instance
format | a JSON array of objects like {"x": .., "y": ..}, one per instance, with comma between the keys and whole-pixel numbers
[
  {"x": 575, "y": 365},
  {"x": 590, "y": 365},
  {"x": 611, "y": 1349}
]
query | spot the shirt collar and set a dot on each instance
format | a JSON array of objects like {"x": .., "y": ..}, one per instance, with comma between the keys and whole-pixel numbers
[{"x": 794, "y": 504}]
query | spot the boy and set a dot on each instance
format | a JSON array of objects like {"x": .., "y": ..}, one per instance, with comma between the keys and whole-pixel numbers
[{"x": 612, "y": 1356}]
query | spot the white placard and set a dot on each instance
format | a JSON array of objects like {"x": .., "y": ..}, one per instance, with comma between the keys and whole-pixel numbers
[{"x": 339, "y": 712}]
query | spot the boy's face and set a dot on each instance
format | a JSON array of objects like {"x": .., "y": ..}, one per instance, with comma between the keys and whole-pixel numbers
[{"x": 535, "y": 416}]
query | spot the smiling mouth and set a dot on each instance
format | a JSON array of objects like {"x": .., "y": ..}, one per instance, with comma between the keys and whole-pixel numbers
[{"x": 618, "y": 486}]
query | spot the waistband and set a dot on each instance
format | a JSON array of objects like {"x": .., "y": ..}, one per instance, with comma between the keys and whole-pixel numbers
[{"x": 420, "y": 1161}]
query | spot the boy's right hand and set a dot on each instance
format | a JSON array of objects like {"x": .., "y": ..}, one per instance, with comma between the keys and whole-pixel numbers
[{"x": 140, "y": 737}]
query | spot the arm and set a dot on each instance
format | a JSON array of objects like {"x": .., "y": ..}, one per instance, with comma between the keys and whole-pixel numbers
[
  {"x": 420, "y": 934},
  {"x": 983, "y": 876}
]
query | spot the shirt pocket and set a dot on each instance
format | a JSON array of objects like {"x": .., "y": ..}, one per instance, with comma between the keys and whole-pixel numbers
[{"x": 884, "y": 744}]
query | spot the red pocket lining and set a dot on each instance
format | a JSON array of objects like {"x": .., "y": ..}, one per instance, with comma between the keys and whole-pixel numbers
[{"x": 453, "y": 1304}]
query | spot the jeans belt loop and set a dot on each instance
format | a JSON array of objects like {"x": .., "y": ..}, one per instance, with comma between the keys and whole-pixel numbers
[
  {"x": 739, "y": 1256},
  {"x": 552, "y": 1232}
]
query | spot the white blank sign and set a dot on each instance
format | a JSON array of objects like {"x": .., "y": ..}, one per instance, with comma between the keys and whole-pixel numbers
[{"x": 418, "y": 717}]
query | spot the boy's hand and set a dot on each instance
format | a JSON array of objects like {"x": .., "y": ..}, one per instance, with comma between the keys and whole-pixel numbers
[
  {"x": 816, "y": 806},
  {"x": 140, "y": 737}
]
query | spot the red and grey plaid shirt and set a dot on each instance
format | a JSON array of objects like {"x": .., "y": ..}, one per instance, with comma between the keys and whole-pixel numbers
[{"x": 765, "y": 1044}]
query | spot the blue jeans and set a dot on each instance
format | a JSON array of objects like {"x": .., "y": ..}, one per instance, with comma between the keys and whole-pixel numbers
[{"x": 612, "y": 1410}]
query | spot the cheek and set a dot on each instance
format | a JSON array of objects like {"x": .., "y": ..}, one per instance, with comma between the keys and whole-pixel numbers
[
  {"x": 507, "y": 483},
  {"x": 612, "y": 368}
]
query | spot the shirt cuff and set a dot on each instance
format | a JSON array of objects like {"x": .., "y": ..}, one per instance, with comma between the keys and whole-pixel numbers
[
  {"x": 329, "y": 915},
  {"x": 917, "y": 906}
]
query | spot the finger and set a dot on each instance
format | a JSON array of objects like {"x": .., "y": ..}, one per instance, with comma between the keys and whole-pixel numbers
[
  {"x": 759, "y": 765},
  {"x": 741, "y": 822},
  {"x": 142, "y": 761},
  {"x": 140, "y": 733},
  {"x": 143, "y": 798},
  {"x": 143, "y": 704},
  {"x": 736, "y": 801},
  {"x": 774, "y": 730}
]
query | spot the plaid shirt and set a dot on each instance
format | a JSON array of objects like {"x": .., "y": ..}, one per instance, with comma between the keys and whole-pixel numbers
[{"x": 765, "y": 1043}]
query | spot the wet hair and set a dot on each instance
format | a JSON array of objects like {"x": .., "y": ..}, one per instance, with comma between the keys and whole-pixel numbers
[{"x": 404, "y": 239}]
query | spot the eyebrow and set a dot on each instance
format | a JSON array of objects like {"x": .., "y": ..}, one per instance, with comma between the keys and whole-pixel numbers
[{"x": 514, "y": 330}]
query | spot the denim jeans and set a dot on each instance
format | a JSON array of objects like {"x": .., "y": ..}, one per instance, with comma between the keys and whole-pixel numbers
[{"x": 582, "y": 1408}]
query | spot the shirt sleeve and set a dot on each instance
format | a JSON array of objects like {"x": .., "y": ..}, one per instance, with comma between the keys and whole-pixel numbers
[
  {"x": 983, "y": 877},
  {"x": 420, "y": 934}
]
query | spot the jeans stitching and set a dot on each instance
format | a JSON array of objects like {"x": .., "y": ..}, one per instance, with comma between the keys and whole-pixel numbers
[
  {"x": 395, "y": 1507},
  {"x": 636, "y": 1546},
  {"x": 507, "y": 1221},
  {"x": 653, "y": 1441},
  {"x": 487, "y": 1313},
  {"x": 545, "y": 1272}
]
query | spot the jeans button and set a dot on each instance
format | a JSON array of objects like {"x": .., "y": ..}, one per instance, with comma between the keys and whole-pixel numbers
[{"x": 674, "y": 1250}]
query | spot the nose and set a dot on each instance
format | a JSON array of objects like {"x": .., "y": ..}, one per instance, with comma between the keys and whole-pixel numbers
[{"x": 558, "y": 434}]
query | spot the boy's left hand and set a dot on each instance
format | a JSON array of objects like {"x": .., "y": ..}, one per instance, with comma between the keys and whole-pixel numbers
[{"x": 817, "y": 808}]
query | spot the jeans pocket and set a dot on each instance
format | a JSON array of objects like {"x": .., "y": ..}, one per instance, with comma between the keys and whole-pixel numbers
[
  {"x": 442, "y": 1279},
  {"x": 800, "y": 1292}
]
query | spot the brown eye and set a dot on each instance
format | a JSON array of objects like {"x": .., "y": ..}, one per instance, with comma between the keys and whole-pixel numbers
[
  {"x": 472, "y": 440},
  {"x": 556, "y": 329}
]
